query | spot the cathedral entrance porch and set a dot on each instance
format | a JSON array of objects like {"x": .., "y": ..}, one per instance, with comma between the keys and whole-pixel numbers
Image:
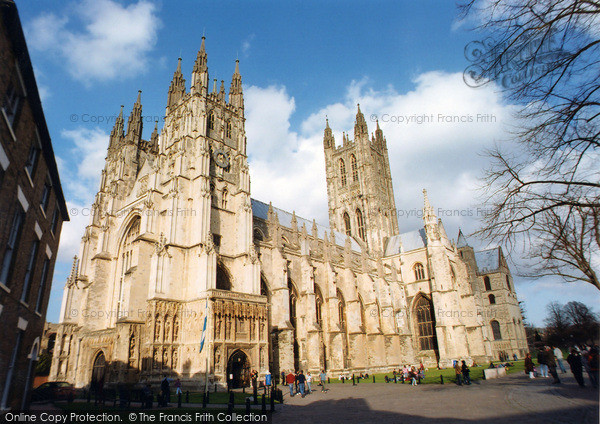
[{"x": 238, "y": 370}]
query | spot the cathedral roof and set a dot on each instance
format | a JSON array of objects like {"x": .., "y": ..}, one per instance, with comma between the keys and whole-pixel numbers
[
  {"x": 261, "y": 210},
  {"x": 406, "y": 242},
  {"x": 488, "y": 260}
]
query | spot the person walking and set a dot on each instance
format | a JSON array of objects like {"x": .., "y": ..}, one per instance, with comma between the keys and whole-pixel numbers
[
  {"x": 301, "y": 378},
  {"x": 529, "y": 368},
  {"x": 466, "y": 373},
  {"x": 574, "y": 360},
  {"x": 458, "y": 372},
  {"x": 559, "y": 359},
  {"x": 290, "y": 379},
  {"x": 541, "y": 358},
  {"x": 308, "y": 383},
  {"x": 551, "y": 363},
  {"x": 593, "y": 365},
  {"x": 165, "y": 388},
  {"x": 323, "y": 377},
  {"x": 177, "y": 385}
]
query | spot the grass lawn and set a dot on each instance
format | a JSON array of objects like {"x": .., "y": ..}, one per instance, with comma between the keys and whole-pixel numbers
[{"x": 432, "y": 376}]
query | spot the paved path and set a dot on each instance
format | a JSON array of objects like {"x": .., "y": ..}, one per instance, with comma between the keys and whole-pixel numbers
[{"x": 514, "y": 399}]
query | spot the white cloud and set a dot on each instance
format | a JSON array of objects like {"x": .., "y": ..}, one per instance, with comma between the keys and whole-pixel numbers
[
  {"x": 99, "y": 40},
  {"x": 429, "y": 145},
  {"x": 80, "y": 182},
  {"x": 246, "y": 44}
]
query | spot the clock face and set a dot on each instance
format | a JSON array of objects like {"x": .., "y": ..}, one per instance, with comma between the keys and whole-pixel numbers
[{"x": 221, "y": 158}]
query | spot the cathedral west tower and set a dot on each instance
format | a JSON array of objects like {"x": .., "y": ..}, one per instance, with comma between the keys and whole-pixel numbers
[{"x": 359, "y": 185}]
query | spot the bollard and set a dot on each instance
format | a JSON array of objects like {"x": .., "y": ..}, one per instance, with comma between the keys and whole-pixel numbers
[
  {"x": 187, "y": 396},
  {"x": 373, "y": 378},
  {"x": 244, "y": 389},
  {"x": 207, "y": 397},
  {"x": 357, "y": 380},
  {"x": 264, "y": 390},
  {"x": 328, "y": 380},
  {"x": 231, "y": 399},
  {"x": 255, "y": 394},
  {"x": 343, "y": 380},
  {"x": 264, "y": 404},
  {"x": 215, "y": 387},
  {"x": 441, "y": 379},
  {"x": 179, "y": 400},
  {"x": 395, "y": 379},
  {"x": 272, "y": 401},
  {"x": 204, "y": 401},
  {"x": 247, "y": 405},
  {"x": 353, "y": 381}
]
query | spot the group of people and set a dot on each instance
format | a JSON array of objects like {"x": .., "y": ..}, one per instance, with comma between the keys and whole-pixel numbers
[
  {"x": 408, "y": 373},
  {"x": 462, "y": 372},
  {"x": 551, "y": 358},
  {"x": 298, "y": 382}
]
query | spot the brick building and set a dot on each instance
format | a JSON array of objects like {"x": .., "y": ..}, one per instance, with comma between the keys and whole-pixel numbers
[{"x": 32, "y": 209}]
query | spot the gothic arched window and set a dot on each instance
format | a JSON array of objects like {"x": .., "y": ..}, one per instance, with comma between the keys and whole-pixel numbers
[
  {"x": 486, "y": 283},
  {"x": 126, "y": 257},
  {"x": 492, "y": 299},
  {"x": 425, "y": 324},
  {"x": 211, "y": 120},
  {"x": 341, "y": 309},
  {"x": 319, "y": 306},
  {"x": 224, "y": 198},
  {"x": 419, "y": 271},
  {"x": 223, "y": 280},
  {"x": 361, "y": 225},
  {"x": 347, "y": 225},
  {"x": 228, "y": 129},
  {"x": 293, "y": 302},
  {"x": 496, "y": 330},
  {"x": 343, "y": 172},
  {"x": 354, "y": 167}
]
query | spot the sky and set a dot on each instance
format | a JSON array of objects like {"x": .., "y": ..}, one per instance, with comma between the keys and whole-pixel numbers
[{"x": 403, "y": 61}]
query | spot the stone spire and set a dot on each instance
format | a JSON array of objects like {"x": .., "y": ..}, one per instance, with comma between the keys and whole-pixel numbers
[
  {"x": 236, "y": 96},
  {"x": 328, "y": 139},
  {"x": 429, "y": 219},
  {"x": 200, "y": 72},
  {"x": 153, "y": 145},
  {"x": 177, "y": 88},
  {"x": 360, "y": 126},
  {"x": 379, "y": 135},
  {"x": 221, "y": 95},
  {"x": 134, "y": 123},
  {"x": 116, "y": 135}
]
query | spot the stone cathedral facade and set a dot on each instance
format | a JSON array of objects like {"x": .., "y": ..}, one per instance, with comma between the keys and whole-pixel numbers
[{"x": 176, "y": 237}]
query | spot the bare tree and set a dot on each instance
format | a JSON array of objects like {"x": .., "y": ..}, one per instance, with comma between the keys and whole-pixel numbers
[{"x": 545, "y": 56}]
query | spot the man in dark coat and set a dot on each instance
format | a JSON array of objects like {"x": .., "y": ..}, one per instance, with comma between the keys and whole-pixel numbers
[
  {"x": 574, "y": 360},
  {"x": 551, "y": 362}
]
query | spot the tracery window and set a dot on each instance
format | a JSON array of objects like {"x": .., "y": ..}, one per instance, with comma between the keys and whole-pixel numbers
[
  {"x": 347, "y": 225},
  {"x": 419, "y": 271},
  {"x": 343, "y": 172},
  {"x": 361, "y": 225},
  {"x": 425, "y": 324},
  {"x": 354, "y": 167}
]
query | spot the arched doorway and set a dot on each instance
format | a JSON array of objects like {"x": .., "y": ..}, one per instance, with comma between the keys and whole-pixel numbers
[
  {"x": 238, "y": 370},
  {"x": 98, "y": 373}
]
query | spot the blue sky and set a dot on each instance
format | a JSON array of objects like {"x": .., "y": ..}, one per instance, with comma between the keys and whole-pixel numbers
[{"x": 299, "y": 62}]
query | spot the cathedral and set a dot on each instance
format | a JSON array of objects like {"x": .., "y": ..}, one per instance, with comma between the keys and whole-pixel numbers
[{"x": 182, "y": 273}]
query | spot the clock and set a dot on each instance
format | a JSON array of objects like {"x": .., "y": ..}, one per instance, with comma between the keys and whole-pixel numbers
[{"x": 221, "y": 158}]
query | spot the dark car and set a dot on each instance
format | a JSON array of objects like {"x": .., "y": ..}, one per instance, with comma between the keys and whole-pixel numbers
[{"x": 53, "y": 390}]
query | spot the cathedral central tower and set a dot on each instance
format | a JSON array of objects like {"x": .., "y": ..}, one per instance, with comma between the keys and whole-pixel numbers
[{"x": 359, "y": 185}]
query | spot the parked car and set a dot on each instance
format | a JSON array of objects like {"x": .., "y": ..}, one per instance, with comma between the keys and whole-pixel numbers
[{"x": 53, "y": 390}]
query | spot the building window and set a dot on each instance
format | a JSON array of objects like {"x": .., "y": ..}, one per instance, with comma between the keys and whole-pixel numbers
[
  {"x": 12, "y": 103},
  {"x": 32, "y": 159},
  {"x": 46, "y": 196},
  {"x": 29, "y": 271},
  {"x": 223, "y": 280},
  {"x": 496, "y": 330},
  {"x": 319, "y": 306},
  {"x": 425, "y": 324},
  {"x": 126, "y": 255},
  {"x": 419, "y": 271},
  {"x": 486, "y": 283},
  {"x": 42, "y": 289},
  {"x": 224, "y": 198},
  {"x": 258, "y": 235},
  {"x": 12, "y": 245},
  {"x": 55, "y": 218},
  {"x": 347, "y": 225},
  {"x": 492, "y": 299},
  {"x": 354, "y": 168},
  {"x": 508, "y": 283},
  {"x": 343, "y": 172},
  {"x": 361, "y": 225},
  {"x": 293, "y": 303},
  {"x": 341, "y": 310},
  {"x": 228, "y": 128},
  {"x": 11, "y": 369},
  {"x": 211, "y": 121}
]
